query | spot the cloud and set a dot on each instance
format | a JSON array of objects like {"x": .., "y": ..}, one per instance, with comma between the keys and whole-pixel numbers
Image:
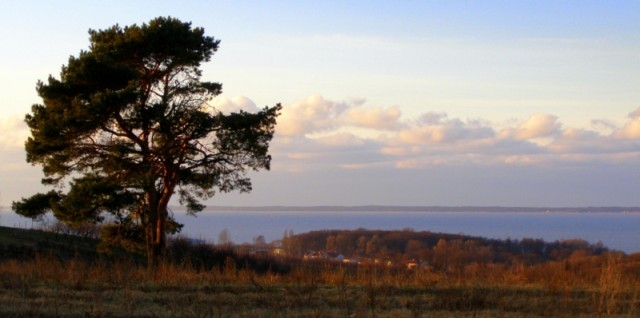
[
  {"x": 340, "y": 140},
  {"x": 314, "y": 114},
  {"x": 394, "y": 151},
  {"x": 233, "y": 105},
  {"x": 317, "y": 115},
  {"x": 374, "y": 118},
  {"x": 434, "y": 128},
  {"x": 630, "y": 130},
  {"x": 602, "y": 124},
  {"x": 536, "y": 126},
  {"x": 318, "y": 133},
  {"x": 339, "y": 150},
  {"x": 577, "y": 140}
]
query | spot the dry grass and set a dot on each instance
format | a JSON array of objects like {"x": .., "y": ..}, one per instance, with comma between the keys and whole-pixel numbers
[{"x": 48, "y": 287}]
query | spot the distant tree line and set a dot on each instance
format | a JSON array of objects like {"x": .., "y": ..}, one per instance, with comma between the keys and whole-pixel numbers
[{"x": 440, "y": 250}]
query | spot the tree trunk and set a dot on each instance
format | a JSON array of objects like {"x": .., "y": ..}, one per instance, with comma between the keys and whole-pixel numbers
[
  {"x": 155, "y": 228},
  {"x": 153, "y": 250},
  {"x": 156, "y": 239}
]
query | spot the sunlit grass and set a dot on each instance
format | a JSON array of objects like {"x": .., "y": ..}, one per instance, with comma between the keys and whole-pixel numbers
[{"x": 48, "y": 287}]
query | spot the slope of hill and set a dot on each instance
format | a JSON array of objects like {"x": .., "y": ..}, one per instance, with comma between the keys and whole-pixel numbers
[{"x": 18, "y": 243}]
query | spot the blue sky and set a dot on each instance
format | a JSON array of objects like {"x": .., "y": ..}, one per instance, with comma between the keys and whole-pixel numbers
[{"x": 524, "y": 103}]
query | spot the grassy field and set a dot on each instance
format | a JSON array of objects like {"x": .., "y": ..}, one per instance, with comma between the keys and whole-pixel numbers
[{"x": 63, "y": 284}]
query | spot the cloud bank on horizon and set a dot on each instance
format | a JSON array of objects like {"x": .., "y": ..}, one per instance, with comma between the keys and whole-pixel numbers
[{"x": 319, "y": 133}]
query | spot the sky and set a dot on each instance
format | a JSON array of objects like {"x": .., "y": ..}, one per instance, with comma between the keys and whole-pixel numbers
[{"x": 453, "y": 103}]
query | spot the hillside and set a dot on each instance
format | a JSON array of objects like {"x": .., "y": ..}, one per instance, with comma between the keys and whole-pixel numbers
[
  {"x": 18, "y": 243},
  {"x": 440, "y": 249}
]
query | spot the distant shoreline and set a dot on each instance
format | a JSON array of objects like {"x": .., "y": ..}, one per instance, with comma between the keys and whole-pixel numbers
[{"x": 383, "y": 208}]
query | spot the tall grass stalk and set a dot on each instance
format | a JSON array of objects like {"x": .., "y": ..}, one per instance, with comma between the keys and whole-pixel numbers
[{"x": 610, "y": 286}]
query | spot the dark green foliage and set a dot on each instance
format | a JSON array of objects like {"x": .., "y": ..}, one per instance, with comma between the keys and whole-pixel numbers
[
  {"x": 127, "y": 236},
  {"x": 37, "y": 205},
  {"x": 129, "y": 119}
]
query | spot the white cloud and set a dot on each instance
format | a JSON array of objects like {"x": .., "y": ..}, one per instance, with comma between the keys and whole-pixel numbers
[
  {"x": 374, "y": 118},
  {"x": 317, "y": 115},
  {"x": 233, "y": 105},
  {"x": 446, "y": 133},
  {"x": 314, "y": 114},
  {"x": 342, "y": 139},
  {"x": 319, "y": 133},
  {"x": 582, "y": 142},
  {"x": 434, "y": 128},
  {"x": 631, "y": 129},
  {"x": 536, "y": 126}
]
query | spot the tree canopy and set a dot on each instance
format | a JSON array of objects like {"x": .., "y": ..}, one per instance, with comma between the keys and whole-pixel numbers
[{"x": 128, "y": 125}]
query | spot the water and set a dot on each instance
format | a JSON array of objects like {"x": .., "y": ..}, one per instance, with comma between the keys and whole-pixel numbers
[{"x": 617, "y": 231}]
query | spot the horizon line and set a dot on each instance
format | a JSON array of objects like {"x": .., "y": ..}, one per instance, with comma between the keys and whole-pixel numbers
[{"x": 418, "y": 208}]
